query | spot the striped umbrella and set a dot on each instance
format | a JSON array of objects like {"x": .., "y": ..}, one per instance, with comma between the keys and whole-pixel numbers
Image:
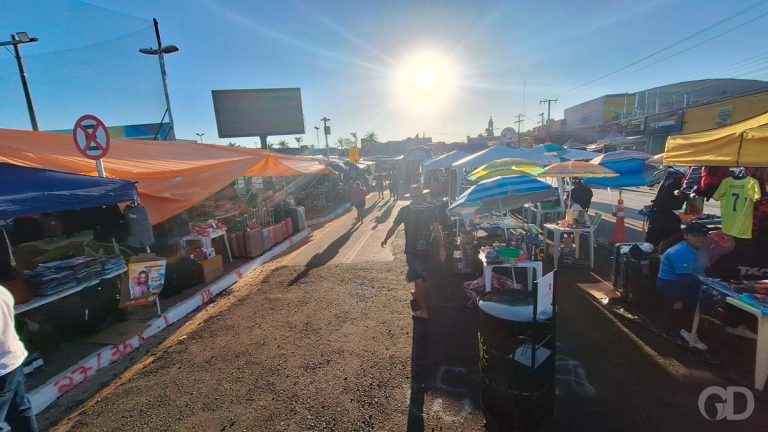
[
  {"x": 620, "y": 155},
  {"x": 501, "y": 193},
  {"x": 576, "y": 169},
  {"x": 504, "y": 167}
]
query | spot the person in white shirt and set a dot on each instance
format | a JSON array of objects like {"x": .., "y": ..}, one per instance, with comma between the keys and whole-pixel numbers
[{"x": 15, "y": 408}]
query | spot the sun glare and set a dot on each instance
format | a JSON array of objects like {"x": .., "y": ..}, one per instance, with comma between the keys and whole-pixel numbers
[{"x": 425, "y": 81}]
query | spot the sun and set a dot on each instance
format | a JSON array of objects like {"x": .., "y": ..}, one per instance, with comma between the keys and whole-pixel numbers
[{"x": 425, "y": 81}]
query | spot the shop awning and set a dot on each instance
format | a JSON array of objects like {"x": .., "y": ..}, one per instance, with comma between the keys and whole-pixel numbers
[
  {"x": 444, "y": 160},
  {"x": 25, "y": 191},
  {"x": 172, "y": 175},
  {"x": 740, "y": 144}
]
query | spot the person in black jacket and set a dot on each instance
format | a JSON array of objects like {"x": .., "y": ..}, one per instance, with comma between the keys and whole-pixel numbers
[{"x": 581, "y": 194}]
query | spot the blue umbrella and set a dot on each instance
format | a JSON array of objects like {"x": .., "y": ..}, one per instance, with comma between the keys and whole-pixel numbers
[
  {"x": 645, "y": 177},
  {"x": 501, "y": 193}
]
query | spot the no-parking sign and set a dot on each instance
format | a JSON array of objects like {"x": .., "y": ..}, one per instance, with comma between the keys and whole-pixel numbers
[{"x": 91, "y": 137}]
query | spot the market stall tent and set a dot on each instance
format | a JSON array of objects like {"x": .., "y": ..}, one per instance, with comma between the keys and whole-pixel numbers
[
  {"x": 25, "y": 191},
  {"x": 744, "y": 143},
  {"x": 172, "y": 175}
]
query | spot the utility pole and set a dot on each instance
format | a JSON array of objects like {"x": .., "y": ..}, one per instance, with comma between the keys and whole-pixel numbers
[
  {"x": 326, "y": 132},
  {"x": 549, "y": 106},
  {"x": 16, "y": 40},
  {"x": 541, "y": 122},
  {"x": 317, "y": 135},
  {"x": 519, "y": 121}
]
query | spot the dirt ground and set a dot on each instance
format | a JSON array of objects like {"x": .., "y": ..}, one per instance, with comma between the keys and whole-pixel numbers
[{"x": 326, "y": 346}]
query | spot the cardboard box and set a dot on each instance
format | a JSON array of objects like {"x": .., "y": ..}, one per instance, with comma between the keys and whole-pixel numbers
[{"x": 213, "y": 268}]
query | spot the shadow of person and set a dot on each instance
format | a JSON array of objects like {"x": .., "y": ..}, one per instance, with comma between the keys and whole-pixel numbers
[{"x": 329, "y": 253}]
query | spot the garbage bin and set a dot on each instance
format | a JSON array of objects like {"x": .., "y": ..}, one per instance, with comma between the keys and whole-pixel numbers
[
  {"x": 634, "y": 271},
  {"x": 518, "y": 388}
]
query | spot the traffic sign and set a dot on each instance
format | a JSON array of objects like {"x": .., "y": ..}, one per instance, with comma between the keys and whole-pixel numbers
[{"x": 91, "y": 137}]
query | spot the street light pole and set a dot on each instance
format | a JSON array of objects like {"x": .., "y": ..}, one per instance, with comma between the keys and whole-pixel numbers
[
  {"x": 160, "y": 52},
  {"x": 23, "y": 37},
  {"x": 326, "y": 132},
  {"x": 317, "y": 133},
  {"x": 200, "y": 135}
]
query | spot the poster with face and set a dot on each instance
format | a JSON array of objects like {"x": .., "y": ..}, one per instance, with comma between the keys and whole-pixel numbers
[{"x": 145, "y": 279}]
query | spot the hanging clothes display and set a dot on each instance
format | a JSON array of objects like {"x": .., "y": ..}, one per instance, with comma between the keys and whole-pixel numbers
[
  {"x": 737, "y": 196},
  {"x": 140, "y": 227}
]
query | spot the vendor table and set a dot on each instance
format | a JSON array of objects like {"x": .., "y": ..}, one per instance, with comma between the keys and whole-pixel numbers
[
  {"x": 529, "y": 265},
  {"x": 39, "y": 301},
  {"x": 206, "y": 240},
  {"x": 557, "y": 232},
  {"x": 761, "y": 352},
  {"x": 533, "y": 213}
]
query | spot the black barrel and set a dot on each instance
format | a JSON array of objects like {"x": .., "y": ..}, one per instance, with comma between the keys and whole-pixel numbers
[{"x": 515, "y": 396}]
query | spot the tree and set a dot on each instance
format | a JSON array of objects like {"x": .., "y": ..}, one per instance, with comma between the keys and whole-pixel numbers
[
  {"x": 270, "y": 145},
  {"x": 371, "y": 135},
  {"x": 232, "y": 144},
  {"x": 298, "y": 141},
  {"x": 340, "y": 143},
  {"x": 283, "y": 144},
  {"x": 354, "y": 138}
]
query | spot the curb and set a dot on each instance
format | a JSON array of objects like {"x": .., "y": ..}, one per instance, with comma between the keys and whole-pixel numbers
[
  {"x": 47, "y": 393},
  {"x": 336, "y": 213}
]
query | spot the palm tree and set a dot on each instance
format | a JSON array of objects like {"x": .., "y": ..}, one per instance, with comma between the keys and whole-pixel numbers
[
  {"x": 371, "y": 135},
  {"x": 340, "y": 143},
  {"x": 232, "y": 144},
  {"x": 354, "y": 138},
  {"x": 298, "y": 141},
  {"x": 270, "y": 145},
  {"x": 283, "y": 144}
]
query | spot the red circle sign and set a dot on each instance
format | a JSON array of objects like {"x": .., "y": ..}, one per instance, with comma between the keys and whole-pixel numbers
[{"x": 91, "y": 137}]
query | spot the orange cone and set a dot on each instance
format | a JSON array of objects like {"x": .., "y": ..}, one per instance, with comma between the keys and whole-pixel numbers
[{"x": 620, "y": 232}]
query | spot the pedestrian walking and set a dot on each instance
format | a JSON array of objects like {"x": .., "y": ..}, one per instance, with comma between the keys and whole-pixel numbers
[
  {"x": 15, "y": 407},
  {"x": 394, "y": 186},
  {"x": 357, "y": 197},
  {"x": 379, "y": 182},
  {"x": 422, "y": 235}
]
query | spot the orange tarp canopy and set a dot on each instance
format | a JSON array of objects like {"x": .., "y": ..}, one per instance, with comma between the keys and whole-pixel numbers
[
  {"x": 743, "y": 144},
  {"x": 172, "y": 175}
]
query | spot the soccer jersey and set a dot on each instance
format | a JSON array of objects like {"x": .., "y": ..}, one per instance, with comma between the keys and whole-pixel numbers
[{"x": 737, "y": 200}]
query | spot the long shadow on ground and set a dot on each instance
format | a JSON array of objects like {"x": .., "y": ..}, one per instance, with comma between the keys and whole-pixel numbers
[
  {"x": 328, "y": 254},
  {"x": 445, "y": 375}
]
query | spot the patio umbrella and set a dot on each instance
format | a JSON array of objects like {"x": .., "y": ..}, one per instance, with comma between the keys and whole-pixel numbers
[
  {"x": 504, "y": 167},
  {"x": 576, "y": 169},
  {"x": 657, "y": 160},
  {"x": 550, "y": 149},
  {"x": 501, "y": 193},
  {"x": 502, "y": 152},
  {"x": 444, "y": 160},
  {"x": 620, "y": 155}
]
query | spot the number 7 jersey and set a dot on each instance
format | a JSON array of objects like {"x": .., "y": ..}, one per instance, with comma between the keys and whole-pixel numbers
[{"x": 737, "y": 200}]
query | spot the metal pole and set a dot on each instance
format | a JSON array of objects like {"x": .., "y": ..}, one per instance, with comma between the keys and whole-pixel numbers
[
  {"x": 24, "y": 84},
  {"x": 172, "y": 133},
  {"x": 325, "y": 121},
  {"x": 317, "y": 135},
  {"x": 100, "y": 167}
]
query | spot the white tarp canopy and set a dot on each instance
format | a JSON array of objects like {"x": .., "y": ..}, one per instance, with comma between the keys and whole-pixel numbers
[
  {"x": 502, "y": 152},
  {"x": 444, "y": 160}
]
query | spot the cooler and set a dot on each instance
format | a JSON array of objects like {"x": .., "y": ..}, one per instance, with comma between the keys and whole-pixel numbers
[{"x": 634, "y": 271}]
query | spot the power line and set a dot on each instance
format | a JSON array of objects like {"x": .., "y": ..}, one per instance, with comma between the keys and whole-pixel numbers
[{"x": 668, "y": 47}]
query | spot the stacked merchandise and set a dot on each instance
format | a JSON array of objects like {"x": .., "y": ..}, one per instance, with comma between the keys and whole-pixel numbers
[
  {"x": 205, "y": 229},
  {"x": 61, "y": 275}
]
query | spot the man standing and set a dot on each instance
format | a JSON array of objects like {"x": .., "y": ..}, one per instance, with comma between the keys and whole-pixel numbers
[
  {"x": 15, "y": 408},
  {"x": 394, "y": 185},
  {"x": 357, "y": 197},
  {"x": 422, "y": 232}
]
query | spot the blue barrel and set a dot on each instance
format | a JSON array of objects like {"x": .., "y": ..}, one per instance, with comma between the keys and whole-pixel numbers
[{"x": 517, "y": 393}]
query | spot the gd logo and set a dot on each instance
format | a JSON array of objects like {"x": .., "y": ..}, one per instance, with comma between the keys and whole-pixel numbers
[{"x": 724, "y": 401}]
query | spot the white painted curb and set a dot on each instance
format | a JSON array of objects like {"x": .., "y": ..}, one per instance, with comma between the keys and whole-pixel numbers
[
  {"x": 321, "y": 220},
  {"x": 47, "y": 393}
]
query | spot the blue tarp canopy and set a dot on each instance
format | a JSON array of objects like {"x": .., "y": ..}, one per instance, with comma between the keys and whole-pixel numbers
[{"x": 25, "y": 191}]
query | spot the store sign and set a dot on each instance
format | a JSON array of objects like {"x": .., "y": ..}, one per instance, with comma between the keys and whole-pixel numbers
[
  {"x": 633, "y": 127},
  {"x": 354, "y": 154},
  {"x": 724, "y": 116},
  {"x": 664, "y": 123}
]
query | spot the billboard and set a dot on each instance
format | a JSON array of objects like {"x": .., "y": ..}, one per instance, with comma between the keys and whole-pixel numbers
[
  {"x": 147, "y": 131},
  {"x": 258, "y": 112},
  {"x": 666, "y": 123}
]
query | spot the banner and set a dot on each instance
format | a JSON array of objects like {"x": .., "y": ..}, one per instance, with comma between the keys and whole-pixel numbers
[
  {"x": 146, "y": 277},
  {"x": 546, "y": 295},
  {"x": 664, "y": 123}
]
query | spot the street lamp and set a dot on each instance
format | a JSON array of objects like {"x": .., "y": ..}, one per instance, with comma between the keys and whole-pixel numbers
[
  {"x": 160, "y": 52},
  {"x": 16, "y": 40},
  {"x": 317, "y": 132},
  {"x": 200, "y": 135},
  {"x": 326, "y": 132}
]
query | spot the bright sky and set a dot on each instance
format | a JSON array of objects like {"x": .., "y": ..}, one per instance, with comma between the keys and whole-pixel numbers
[{"x": 396, "y": 67}]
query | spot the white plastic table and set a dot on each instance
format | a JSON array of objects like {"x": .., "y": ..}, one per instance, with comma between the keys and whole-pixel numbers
[
  {"x": 529, "y": 265},
  {"x": 207, "y": 240},
  {"x": 557, "y": 232},
  {"x": 761, "y": 352},
  {"x": 534, "y": 213}
]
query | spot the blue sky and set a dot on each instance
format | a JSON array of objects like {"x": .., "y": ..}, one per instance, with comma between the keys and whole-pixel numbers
[{"x": 495, "y": 58}]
